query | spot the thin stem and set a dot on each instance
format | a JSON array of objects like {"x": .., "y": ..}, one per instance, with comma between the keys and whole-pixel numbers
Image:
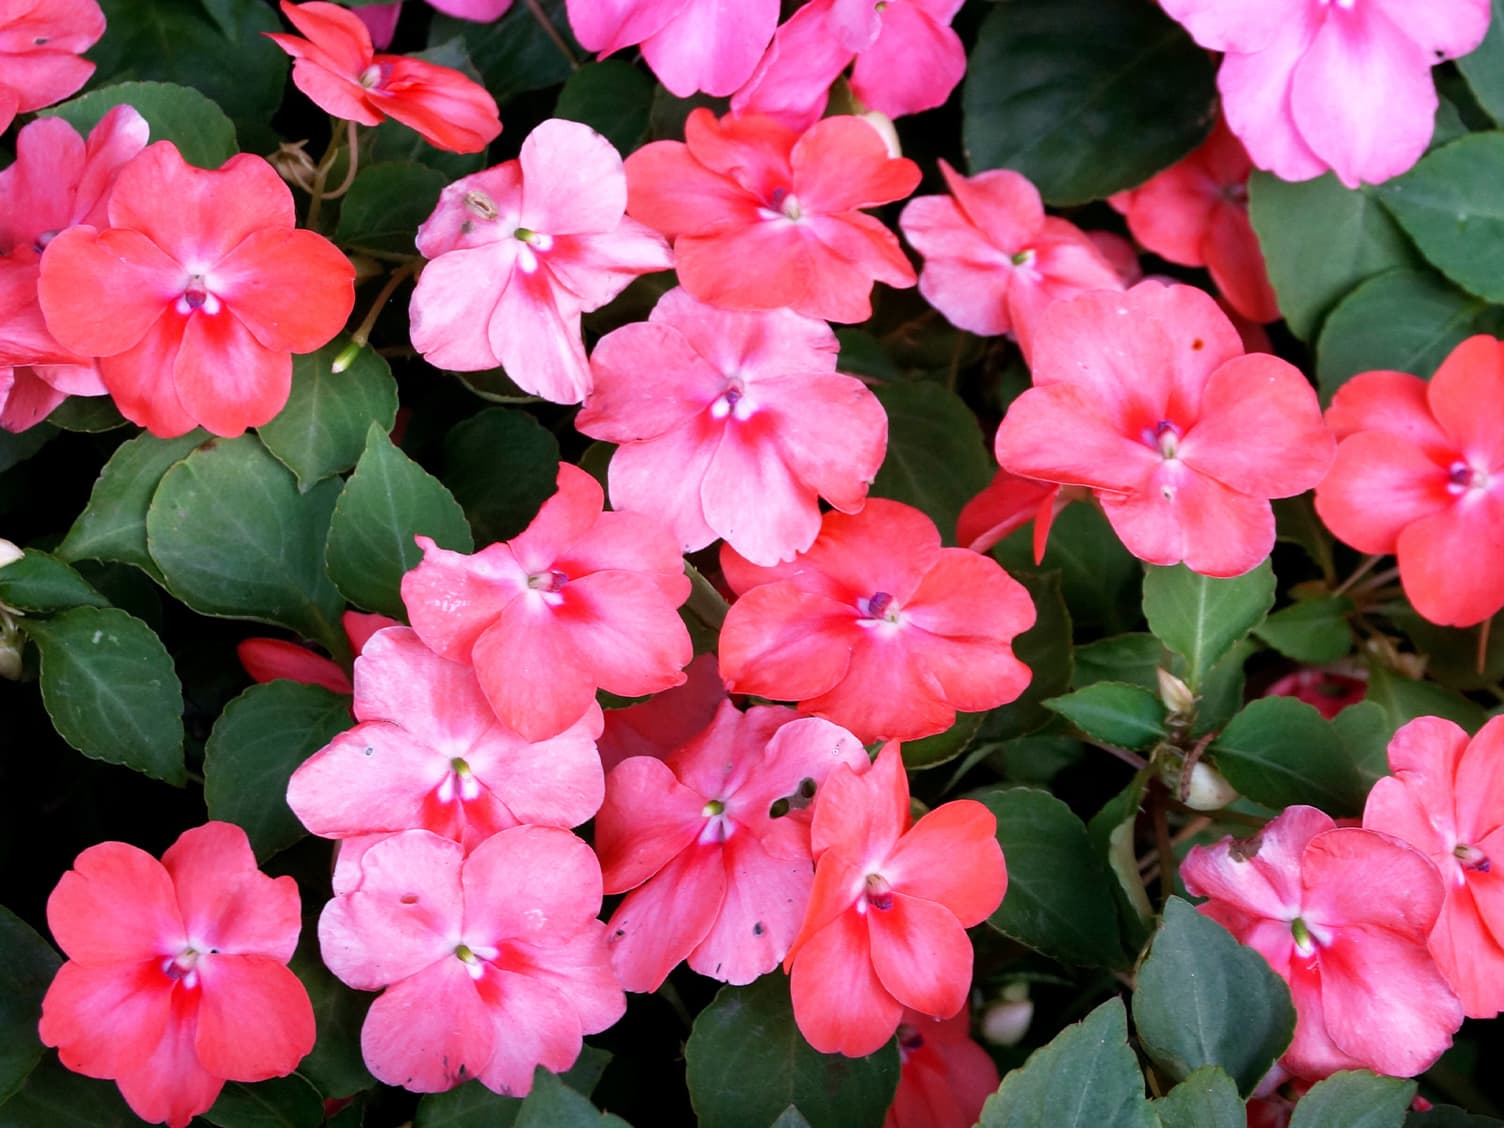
[
  {"x": 320, "y": 177},
  {"x": 1164, "y": 849},
  {"x": 705, "y": 603},
  {"x": 1483, "y": 629},
  {"x": 1132, "y": 759},
  {"x": 1358, "y": 573},
  {"x": 362, "y": 333},
  {"x": 552, "y": 32},
  {"x": 354, "y": 164}
]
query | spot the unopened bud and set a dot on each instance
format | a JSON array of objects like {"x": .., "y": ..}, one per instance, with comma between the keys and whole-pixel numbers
[
  {"x": 293, "y": 163},
  {"x": 1176, "y": 695},
  {"x": 884, "y": 126},
  {"x": 1007, "y": 1021},
  {"x": 9, "y": 553},
  {"x": 1205, "y": 788},
  {"x": 10, "y": 655}
]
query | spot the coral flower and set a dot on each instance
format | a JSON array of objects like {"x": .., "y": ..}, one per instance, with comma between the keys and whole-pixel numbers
[
  {"x": 1342, "y": 915},
  {"x": 176, "y": 979},
  {"x": 666, "y": 721},
  {"x": 268, "y": 659},
  {"x": 733, "y": 424},
  {"x": 887, "y": 919},
  {"x": 339, "y": 69},
  {"x": 197, "y": 294},
  {"x": 762, "y": 216},
  {"x": 1446, "y": 798},
  {"x": 40, "y": 45},
  {"x": 519, "y": 251},
  {"x": 691, "y": 45},
  {"x": 1148, "y": 398},
  {"x": 580, "y": 600},
  {"x": 946, "y": 1078},
  {"x": 877, "y": 627}
]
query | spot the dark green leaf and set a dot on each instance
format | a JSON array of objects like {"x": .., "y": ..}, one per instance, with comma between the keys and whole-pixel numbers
[
  {"x": 41, "y": 583},
  {"x": 472, "y": 1105},
  {"x": 1222, "y": 690},
  {"x": 1365, "y": 733},
  {"x": 1355, "y": 1099},
  {"x": 1200, "y": 618},
  {"x": 335, "y": 1066},
  {"x": 613, "y": 97},
  {"x": 16, "y": 449},
  {"x": 1452, "y": 652},
  {"x": 553, "y": 1104},
  {"x": 391, "y": 142},
  {"x": 386, "y": 204},
  {"x": 862, "y": 354},
  {"x": 1099, "y": 578},
  {"x": 1313, "y": 630},
  {"x": 54, "y": 1097},
  {"x": 1206, "y": 1099},
  {"x": 25, "y": 974},
  {"x": 1484, "y": 67},
  {"x": 1046, "y": 649},
  {"x": 282, "y": 1102},
  {"x": 322, "y": 430},
  {"x": 1130, "y": 658},
  {"x": 1296, "y": 522},
  {"x": 1449, "y": 1116},
  {"x": 936, "y": 460},
  {"x": 1111, "y": 834},
  {"x": 1403, "y": 699},
  {"x": 514, "y": 54},
  {"x": 943, "y": 747},
  {"x": 89, "y": 414},
  {"x": 1128, "y": 716},
  {"x": 501, "y": 466},
  {"x": 1280, "y": 751},
  {"x": 185, "y": 117}
]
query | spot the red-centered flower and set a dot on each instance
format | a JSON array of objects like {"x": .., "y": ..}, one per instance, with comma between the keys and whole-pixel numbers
[
  {"x": 580, "y": 600},
  {"x": 1420, "y": 473},
  {"x": 711, "y": 845},
  {"x": 1195, "y": 213},
  {"x": 1446, "y": 798},
  {"x": 1147, "y": 398},
  {"x": 339, "y": 69},
  {"x": 176, "y": 979},
  {"x": 40, "y": 45},
  {"x": 887, "y": 919},
  {"x": 197, "y": 294},
  {"x": 665, "y": 721},
  {"x": 268, "y": 659},
  {"x": 733, "y": 424},
  {"x": 493, "y": 964},
  {"x": 993, "y": 261},
  {"x": 519, "y": 251},
  {"x": 762, "y": 216},
  {"x": 945, "y": 1078},
  {"x": 691, "y": 45},
  {"x": 1342, "y": 915},
  {"x": 877, "y": 627}
]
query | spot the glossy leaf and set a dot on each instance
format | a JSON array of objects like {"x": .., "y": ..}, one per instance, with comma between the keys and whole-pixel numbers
[
  {"x": 198, "y": 127},
  {"x": 40, "y": 583},
  {"x": 1313, "y": 631},
  {"x": 613, "y": 97},
  {"x": 25, "y": 973},
  {"x": 1355, "y": 1099},
  {"x": 386, "y": 204},
  {"x": 1279, "y": 751},
  {"x": 1127, "y": 716},
  {"x": 1207, "y": 1098},
  {"x": 936, "y": 460},
  {"x": 501, "y": 465},
  {"x": 1200, "y": 618}
]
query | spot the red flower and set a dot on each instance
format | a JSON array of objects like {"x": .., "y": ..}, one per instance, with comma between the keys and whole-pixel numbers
[
  {"x": 946, "y": 1077},
  {"x": 666, "y": 720},
  {"x": 267, "y": 659},
  {"x": 40, "y": 44}
]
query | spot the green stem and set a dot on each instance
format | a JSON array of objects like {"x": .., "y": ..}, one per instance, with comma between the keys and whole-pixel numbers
[
  {"x": 552, "y": 32},
  {"x": 705, "y": 603}
]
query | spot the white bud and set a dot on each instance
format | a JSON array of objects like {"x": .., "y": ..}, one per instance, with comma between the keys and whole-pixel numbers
[
  {"x": 1175, "y": 694},
  {"x": 10, "y": 656},
  {"x": 884, "y": 126},
  {"x": 9, "y": 553},
  {"x": 1007, "y": 1021},
  {"x": 1206, "y": 789}
]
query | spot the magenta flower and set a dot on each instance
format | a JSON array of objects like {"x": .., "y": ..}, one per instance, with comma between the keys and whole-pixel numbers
[{"x": 691, "y": 45}]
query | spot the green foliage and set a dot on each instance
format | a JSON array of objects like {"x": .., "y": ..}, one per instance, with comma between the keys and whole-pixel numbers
[
  {"x": 1200, "y": 618},
  {"x": 501, "y": 466},
  {"x": 1313, "y": 630},
  {"x": 1280, "y": 751},
  {"x": 1355, "y": 1099},
  {"x": 1207, "y": 1098},
  {"x": 513, "y": 54},
  {"x": 322, "y": 430},
  {"x": 59, "y": 1098},
  {"x": 28, "y": 968},
  {"x": 613, "y": 97},
  {"x": 1484, "y": 67},
  {"x": 185, "y": 117},
  {"x": 936, "y": 461},
  {"x": 386, "y": 204},
  {"x": 1127, "y": 716},
  {"x": 41, "y": 583},
  {"x": 282, "y": 1102}
]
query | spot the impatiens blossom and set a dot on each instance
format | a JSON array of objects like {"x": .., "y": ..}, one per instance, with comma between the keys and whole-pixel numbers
[
  {"x": 691, "y": 45},
  {"x": 945, "y": 1078},
  {"x": 1148, "y": 398},
  {"x": 887, "y": 919},
  {"x": 1420, "y": 473},
  {"x": 40, "y": 45},
  {"x": 339, "y": 69},
  {"x": 711, "y": 845},
  {"x": 877, "y": 627},
  {"x": 429, "y": 753},
  {"x": 580, "y": 600},
  {"x": 665, "y": 721},
  {"x": 267, "y": 659},
  {"x": 1326, "y": 691},
  {"x": 176, "y": 979},
  {"x": 733, "y": 424},
  {"x": 763, "y": 216},
  {"x": 197, "y": 294},
  {"x": 1446, "y": 798},
  {"x": 1342, "y": 915},
  {"x": 993, "y": 261},
  {"x": 1299, "y": 77},
  {"x": 493, "y": 963},
  {"x": 1009, "y": 503},
  {"x": 1195, "y": 213},
  {"x": 519, "y": 251}
]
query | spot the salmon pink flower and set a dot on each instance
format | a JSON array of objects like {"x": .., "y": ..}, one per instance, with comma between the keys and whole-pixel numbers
[
  {"x": 665, "y": 721},
  {"x": 1296, "y": 71},
  {"x": 711, "y": 845},
  {"x": 993, "y": 261},
  {"x": 519, "y": 251},
  {"x": 763, "y": 216},
  {"x": 580, "y": 600},
  {"x": 1009, "y": 503},
  {"x": 877, "y": 627},
  {"x": 1147, "y": 398},
  {"x": 733, "y": 424},
  {"x": 40, "y": 45},
  {"x": 493, "y": 964},
  {"x": 338, "y": 68},
  {"x": 946, "y": 1078},
  {"x": 1342, "y": 915},
  {"x": 1446, "y": 798},
  {"x": 268, "y": 659},
  {"x": 176, "y": 979},
  {"x": 887, "y": 918},
  {"x": 691, "y": 45},
  {"x": 1327, "y": 692}
]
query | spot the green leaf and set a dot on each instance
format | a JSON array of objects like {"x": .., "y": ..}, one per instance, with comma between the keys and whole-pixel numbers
[
  {"x": 388, "y": 500},
  {"x": 322, "y": 430},
  {"x": 1088, "y": 1077},
  {"x": 1296, "y": 522},
  {"x": 553, "y": 1104},
  {"x": 110, "y": 688},
  {"x": 472, "y": 1105},
  {"x": 1403, "y": 699},
  {"x": 1319, "y": 241},
  {"x": 1099, "y": 578},
  {"x": 335, "y": 1066},
  {"x": 1365, "y": 733},
  {"x": 1355, "y": 1099},
  {"x": 1111, "y": 834},
  {"x": 233, "y": 537},
  {"x": 1222, "y": 690},
  {"x": 54, "y": 1097},
  {"x": 746, "y": 1062},
  {"x": 1046, "y": 649},
  {"x": 513, "y": 54},
  {"x": 1204, "y": 999},
  {"x": 1484, "y": 67},
  {"x": 391, "y": 142},
  {"x": 1313, "y": 630},
  {"x": 257, "y": 743},
  {"x": 1130, "y": 658},
  {"x": 1084, "y": 97},
  {"x": 936, "y": 459},
  {"x": 1449, "y": 1116},
  {"x": 16, "y": 449},
  {"x": 25, "y": 974},
  {"x": 501, "y": 465},
  {"x": 1452, "y": 656},
  {"x": 386, "y": 204},
  {"x": 1127, "y": 716},
  {"x": 1279, "y": 751},
  {"x": 282, "y": 1102},
  {"x": 943, "y": 747},
  {"x": 41, "y": 583},
  {"x": 1059, "y": 898},
  {"x": 1206, "y": 1099},
  {"x": 1200, "y": 618},
  {"x": 185, "y": 117},
  {"x": 612, "y": 97},
  {"x": 88, "y": 414}
]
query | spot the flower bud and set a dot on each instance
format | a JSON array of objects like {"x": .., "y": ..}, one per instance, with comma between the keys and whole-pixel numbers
[
  {"x": 1205, "y": 789},
  {"x": 9, "y": 553},
  {"x": 1006, "y": 1021},
  {"x": 10, "y": 655},
  {"x": 1175, "y": 694},
  {"x": 884, "y": 126}
]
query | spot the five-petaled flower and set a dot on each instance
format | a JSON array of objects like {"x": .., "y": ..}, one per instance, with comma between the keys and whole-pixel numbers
[{"x": 40, "y": 45}]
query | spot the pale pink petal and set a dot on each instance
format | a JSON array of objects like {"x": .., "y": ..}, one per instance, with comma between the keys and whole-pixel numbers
[
  {"x": 1450, "y": 29},
  {"x": 373, "y": 778},
  {"x": 647, "y": 818},
  {"x": 1259, "y": 875},
  {"x": 452, "y": 598},
  {"x": 572, "y": 180},
  {"x": 504, "y": 898},
  {"x": 534, "y": 332},
  {"x": 711, "y": 45},
  {"x": 794, "y": 76},
  {"x": 450, "y": 314},
  {"x": 752, "y": 497},
  {"x": 662, "y": 477},
  {"x": 1182, "y": 515},
  {"x": 764, "y": 904},
  {"x": 913, "y": 65},
  {"x": 1229, "y": 25},
  {"x": 1256, "y": 99},
  {"x": 533, "y": 1023},
  {"x": 227, "y": 903},
  {"x": 606, "y": 26}
]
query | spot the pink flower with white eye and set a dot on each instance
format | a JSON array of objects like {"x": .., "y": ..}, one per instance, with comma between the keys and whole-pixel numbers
[
  {"x": 691, "y": 45},
  {"x": 40, "y": 45},
  {"x": 518, "y": 252}
]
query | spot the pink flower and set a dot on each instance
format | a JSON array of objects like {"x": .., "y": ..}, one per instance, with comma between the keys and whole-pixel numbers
[
  {"x": 1148, "y": 398},
  {"x": 519, "y": 251},
  {"x": 946, "y": 1077},
  {"x": 40, "y": 44},
  {"x": 1446, "y": 798},
  {"x": 691, "y": 45},
  {"x": 1342, "y": 916},
  {"x": 762, "y": 216},
  {"x": 481, "y": 11},
  {"x": 339, "y": 69},
  {"x": 493, "y": 964},
  {"x": 1328, "y": 693},
  {"x": 877, "y": 627},
  {"x": 176, "y": 979},
  {"x": 733, "y": 424},
  {"x": 1297, "y": 77},
  {"x": 1009, "y": 503},
  {"x": 659, "y": 725},
  {"x": 993, "y": 261},
  {"x": 711, "y": 845},
  {"x": 267, "y": 659},
  {"x": 887, "y": 919},
  {"x": 580, "y": 600}
]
